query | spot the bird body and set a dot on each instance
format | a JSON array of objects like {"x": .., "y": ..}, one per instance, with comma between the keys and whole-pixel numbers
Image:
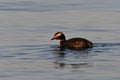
[{"x": 73, "y": 43}]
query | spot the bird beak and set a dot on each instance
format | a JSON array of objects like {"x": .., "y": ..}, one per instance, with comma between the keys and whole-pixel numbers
[{"x": 52, "y": 38}]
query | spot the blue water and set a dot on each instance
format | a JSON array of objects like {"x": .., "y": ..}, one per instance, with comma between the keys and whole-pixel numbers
[{"x": 26, "y": 49}]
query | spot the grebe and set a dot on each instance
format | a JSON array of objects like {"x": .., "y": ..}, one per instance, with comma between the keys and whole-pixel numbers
[{"x": 73, "y": 43}]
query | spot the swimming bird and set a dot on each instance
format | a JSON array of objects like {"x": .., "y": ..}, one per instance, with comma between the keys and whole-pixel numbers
[{"x": 73, "y": 43}]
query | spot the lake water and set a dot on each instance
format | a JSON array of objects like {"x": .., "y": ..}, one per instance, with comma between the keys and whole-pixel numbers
[{"x": 27, "y": 53}]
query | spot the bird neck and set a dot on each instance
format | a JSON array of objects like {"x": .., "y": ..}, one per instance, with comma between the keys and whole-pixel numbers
[{"x": 62, "y": 41}]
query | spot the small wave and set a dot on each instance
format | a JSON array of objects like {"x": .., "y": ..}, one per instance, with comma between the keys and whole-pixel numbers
[{"x": 106, "y": 44}]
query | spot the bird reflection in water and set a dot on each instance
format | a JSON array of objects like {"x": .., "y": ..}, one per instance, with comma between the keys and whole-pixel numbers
[
  {"x": 72, "y": 59},
  {"x": 74, "y": 65}
]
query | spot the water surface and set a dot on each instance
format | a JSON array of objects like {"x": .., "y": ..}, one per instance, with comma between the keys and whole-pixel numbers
[{"x": 27, "y": 53}]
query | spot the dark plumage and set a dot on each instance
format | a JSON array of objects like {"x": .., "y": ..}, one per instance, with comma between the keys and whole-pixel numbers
[{"x": 73, "y": 43}]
